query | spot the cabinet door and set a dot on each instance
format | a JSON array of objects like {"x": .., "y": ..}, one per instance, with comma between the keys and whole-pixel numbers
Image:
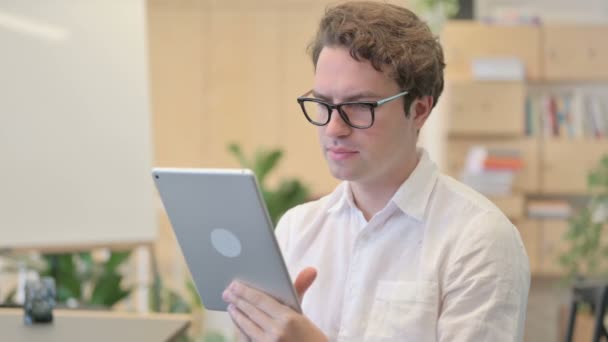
[
  {"x": 566, "y": 163},
  {"x": 486, "y": 108},
  {"x": 464, "y": 41},
  {"x": 575, "y": 52},
  {"x": 526, "y": 180},
  {"x": 552, "y": 245},
  {"x": 512, "y": 206}
]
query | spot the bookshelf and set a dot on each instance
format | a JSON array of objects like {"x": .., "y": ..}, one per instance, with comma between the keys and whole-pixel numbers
[{"x": 554, "y": 120}]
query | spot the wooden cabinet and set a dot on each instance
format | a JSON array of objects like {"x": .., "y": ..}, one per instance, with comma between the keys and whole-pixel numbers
[
  {"x": 551, "y": 52},
  {"x": 575, "y": 52},
  {"x": 512, "y": 206},
  {"x": 566, "y": 163},
  {"x": 552, "y": 245},
  {"x": 464, "y": 41},
  {"x": 526, "y": 180},
  {"x": 486, "y": 108},
  {"x": 561, "y": 58}
]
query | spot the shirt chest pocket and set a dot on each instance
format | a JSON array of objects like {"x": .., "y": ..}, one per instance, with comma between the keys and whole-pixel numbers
[{"x": 404, "y": 311}]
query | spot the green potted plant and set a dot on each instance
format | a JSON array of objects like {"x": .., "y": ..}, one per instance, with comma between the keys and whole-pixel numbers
[
  {"x": 585, "y": 259},
  {"x": 74, "y": 271},
  {"x": 587, "y": 252},
  {"x": 287, "y": 194},
  {"x": 80, "y": 279},
  {"x": 436, "y": 12}
]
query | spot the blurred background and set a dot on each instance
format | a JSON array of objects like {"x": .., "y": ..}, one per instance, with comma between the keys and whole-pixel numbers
[{"x": 95, "y": 93}]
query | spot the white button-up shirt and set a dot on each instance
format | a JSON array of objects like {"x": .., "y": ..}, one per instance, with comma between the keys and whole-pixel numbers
[{"x": 439, "y": 263}]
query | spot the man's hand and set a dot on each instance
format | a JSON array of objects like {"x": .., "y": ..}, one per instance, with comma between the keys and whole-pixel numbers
[{"x": 262, "y": 318}]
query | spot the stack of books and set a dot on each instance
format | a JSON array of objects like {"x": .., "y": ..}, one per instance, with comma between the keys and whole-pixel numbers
[
  {"x": 549, "y": 209},
  {"x": 492, "y": 171}
]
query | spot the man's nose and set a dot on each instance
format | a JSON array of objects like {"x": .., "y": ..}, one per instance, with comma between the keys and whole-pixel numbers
[{"x": 337, "y": 126}]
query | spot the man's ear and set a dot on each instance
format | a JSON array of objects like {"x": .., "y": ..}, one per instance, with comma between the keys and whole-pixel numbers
[{"x": 420, "y": 109}]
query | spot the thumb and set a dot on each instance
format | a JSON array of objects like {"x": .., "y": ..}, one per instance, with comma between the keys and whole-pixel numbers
[{"x": 306, "y": 277}]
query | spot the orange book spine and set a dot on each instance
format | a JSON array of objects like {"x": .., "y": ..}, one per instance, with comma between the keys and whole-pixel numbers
[{"x": 502, "y": 164}]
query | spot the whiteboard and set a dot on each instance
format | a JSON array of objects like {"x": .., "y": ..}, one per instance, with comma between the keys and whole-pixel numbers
[{"x": 75, "y": 135}]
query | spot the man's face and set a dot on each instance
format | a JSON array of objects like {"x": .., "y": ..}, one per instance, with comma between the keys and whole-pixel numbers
[{"x": 381, "y": 153}]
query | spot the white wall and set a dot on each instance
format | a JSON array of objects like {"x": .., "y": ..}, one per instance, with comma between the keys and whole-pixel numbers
[
  {"x": 585, "y": 11},
  {"x": 75, "y": 145}
]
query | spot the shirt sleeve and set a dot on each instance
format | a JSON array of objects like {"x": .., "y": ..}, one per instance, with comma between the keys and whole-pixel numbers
[{"x": 486, "y": 284}]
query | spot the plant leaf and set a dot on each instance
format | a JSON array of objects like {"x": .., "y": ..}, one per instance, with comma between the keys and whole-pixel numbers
[
  {"x": 177, "y": 303},
  {"x": 195, "y": 298},
  {"x": 116, "y": 259},
  {"x": 62, "y": 268},
  {"x": 264, "y": 162},
  {"x": 10, "y": 297},
  {"x": 107, "y": 290},
  {"x": 236, "y": 151}
]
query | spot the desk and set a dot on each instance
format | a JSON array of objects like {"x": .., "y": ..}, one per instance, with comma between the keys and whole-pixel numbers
[{"x": 92, "y": 326}]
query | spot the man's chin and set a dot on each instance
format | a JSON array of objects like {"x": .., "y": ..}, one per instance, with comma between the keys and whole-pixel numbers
[{"x": 342, "y": 173}]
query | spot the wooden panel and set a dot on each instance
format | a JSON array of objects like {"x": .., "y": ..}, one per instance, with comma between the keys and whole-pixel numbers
[
  {"x": 526, "y": 180},
  {"x": 214, "y": 82},
  {"x": 566, "y": 163},
  {"x": 242, "y": 82},
  {"x": 464, "y": 41},
  {"x": 487, "y": 108},
  {"x": 512, "y": 206},
  {"x": 551, "y": 246},
  {"x": 176, "y": 59},
  {"x": 530, "y": 235},
  {"x": 304, "y": 158},
  {"x": 575, "y": 52}
]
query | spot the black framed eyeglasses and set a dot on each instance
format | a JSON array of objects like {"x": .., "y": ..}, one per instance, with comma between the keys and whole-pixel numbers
[{"x": 356, "y": 114}]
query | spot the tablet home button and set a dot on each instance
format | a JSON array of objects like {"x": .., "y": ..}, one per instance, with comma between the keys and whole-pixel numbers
[{"x": 226, "y": 243}]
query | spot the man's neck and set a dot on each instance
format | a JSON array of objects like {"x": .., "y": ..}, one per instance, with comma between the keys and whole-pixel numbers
[{"x": 371, "y": 197}]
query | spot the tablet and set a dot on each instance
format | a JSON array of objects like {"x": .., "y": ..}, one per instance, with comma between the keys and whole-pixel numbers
[{"x": 224, "y": 231}]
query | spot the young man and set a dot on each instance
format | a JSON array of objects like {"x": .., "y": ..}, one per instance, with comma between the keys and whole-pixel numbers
[{"x": 397, "y": 251}]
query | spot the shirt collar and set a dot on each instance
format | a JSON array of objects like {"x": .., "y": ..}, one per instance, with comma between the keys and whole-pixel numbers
[
  {"x": 412, "y": 196},
  {"x": 344, "y": 198}
]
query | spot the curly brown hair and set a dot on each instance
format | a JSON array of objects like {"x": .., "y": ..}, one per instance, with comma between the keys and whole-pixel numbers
[{"x": 386, "y": 35}]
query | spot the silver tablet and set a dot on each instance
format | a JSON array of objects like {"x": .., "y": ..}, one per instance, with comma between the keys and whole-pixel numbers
[{"x": 223, "y": 228}]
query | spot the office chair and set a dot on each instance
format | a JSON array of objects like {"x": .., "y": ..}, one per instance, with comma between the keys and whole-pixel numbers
[{"x": 596, "y": 295}]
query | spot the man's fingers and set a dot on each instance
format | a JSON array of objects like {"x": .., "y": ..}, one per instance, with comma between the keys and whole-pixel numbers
[
  {"x": 253, "y": 313},
  {"x": 240, "y": 336},
  {"x": 304, "y": 280},
  {"x": 255, "y": 299},
  {"x": 247, "y": 328}
]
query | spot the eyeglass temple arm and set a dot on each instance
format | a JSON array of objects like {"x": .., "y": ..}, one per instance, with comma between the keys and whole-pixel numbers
[
  {"x": 306, "y": 93},
  {"x": 388, "y": 99}
]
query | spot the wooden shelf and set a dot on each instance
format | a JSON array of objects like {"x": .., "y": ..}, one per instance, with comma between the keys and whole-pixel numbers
[
  {"x": 526, "y": 179},
  {"x": 492, "y": 114}
]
